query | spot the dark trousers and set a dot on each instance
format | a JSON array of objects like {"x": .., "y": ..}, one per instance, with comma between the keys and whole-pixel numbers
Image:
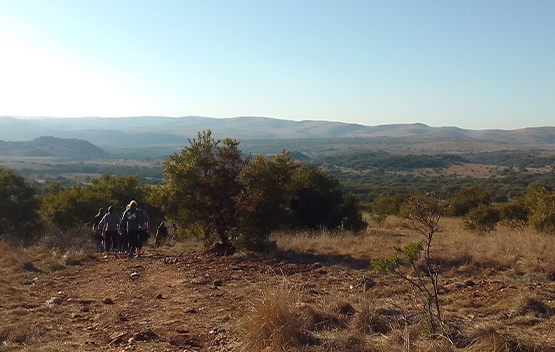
[
  {"x": 134, "y": 241},
  {"x": 110, "y": 240},
  {"x": 123, "y": 241}
]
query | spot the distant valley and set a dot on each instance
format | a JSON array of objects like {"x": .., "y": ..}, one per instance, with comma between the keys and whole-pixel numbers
[
  {"x": 145, "y": 136},
  {"x": 369, "y": 160}
]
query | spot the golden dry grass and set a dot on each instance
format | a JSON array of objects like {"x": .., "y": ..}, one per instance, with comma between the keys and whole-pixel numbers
[{"x": 504, "y": 276}]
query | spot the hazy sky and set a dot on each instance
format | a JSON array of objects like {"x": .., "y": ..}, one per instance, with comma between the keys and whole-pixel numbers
[{"x": 474, "y": 64}]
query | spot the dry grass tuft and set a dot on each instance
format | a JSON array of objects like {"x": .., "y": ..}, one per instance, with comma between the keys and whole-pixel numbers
[
  {"x": 275, "y": 323},
  {"x": 320, "y": 319},
  {"x": 489, "y": 339},
  {"x": 532, "y": 305},
  {"x": 351, "y": 343},
  {"x": 550, "y": 272},
  {"x": 63, "y": 240},
  {"x": 369, "y": 320}
]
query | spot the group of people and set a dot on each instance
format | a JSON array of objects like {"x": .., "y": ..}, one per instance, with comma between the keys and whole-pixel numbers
[{"x": 126, "y": 234}]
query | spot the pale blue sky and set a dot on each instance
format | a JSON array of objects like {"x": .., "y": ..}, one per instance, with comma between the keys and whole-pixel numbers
[{"x": 474, "y": 64}]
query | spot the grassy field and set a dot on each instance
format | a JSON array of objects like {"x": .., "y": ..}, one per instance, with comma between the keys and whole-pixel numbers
[{"x": 315, "y": 292}]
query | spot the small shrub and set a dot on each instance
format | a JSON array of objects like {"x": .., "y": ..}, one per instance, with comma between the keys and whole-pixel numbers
[
  {"x": 514, "y": 214},
  {"x": 483, "y": 218}
]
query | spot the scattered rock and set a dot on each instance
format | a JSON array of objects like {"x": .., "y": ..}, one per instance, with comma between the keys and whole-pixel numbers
[
  {"x": 346, "y": 309},
  {"x": 218, "y": 282},
  {"x": 146, "y": 335},
  {"x": 159, "y": 296},
  {"x": 135, "y": 275},
  {"x": 107, "y": 301},
  {"x": 117, "y": 337},
  {"x": 200, "y": 281},
  {"x": 54, "y": 301},
  {"x": 76, "y": 316},
  {"x": 469, "y": 283},
  {"x": 29, "y": 266},
  {"x": 85, "y": 301},
  {"x": 221, "y": 250},
  {"x": 368, "y": 282},
  {"x": 185, "y": 341}
]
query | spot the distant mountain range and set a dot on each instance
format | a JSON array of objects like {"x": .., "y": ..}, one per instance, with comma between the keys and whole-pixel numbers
[{"x": 151, "y": 132}]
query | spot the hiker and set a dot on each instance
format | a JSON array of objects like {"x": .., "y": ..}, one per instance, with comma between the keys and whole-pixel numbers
[
  {"x": 143, "y": 230},
  {"x": 161, "y": 234},
  {"x": 131, "y": 222},
  {"x": 110, "y": 223},
  {"x": 98, "y": 235}
]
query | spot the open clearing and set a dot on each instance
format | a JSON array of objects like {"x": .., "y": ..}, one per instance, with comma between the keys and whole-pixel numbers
[{"x": 497, "y": 294}]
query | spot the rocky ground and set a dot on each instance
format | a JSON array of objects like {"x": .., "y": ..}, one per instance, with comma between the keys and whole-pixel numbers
[
  {"x": 162, "y": 301},
  {"x": 182, "y": 299}
]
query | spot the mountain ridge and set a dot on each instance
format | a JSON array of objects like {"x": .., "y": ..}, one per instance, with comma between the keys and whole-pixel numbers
[{"x": 117, "y": 132}]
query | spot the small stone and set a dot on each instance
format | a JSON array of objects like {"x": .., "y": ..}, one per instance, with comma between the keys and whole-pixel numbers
[
  {"x": 54, "y": 300},
  {"x": 107, "y": 301},
  {"x": 117, "y": 338},
  {"x": 159, "y": 296},
  {"x": 135, "y": 275},
  {"x": 218, "y": 282}
]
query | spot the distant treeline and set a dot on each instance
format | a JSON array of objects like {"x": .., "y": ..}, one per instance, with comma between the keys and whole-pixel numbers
[
  {"x": 387, "y": 161},
  {"x": 385, "y": 173},
  {"x": 369, "y": 174}
]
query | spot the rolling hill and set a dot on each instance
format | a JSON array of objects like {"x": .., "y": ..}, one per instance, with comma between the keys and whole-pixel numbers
[
  {"x": 156, "y": 134},
  {"x": 53, "y": 147}
]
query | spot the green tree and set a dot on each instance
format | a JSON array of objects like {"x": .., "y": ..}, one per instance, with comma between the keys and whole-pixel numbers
[
  {"x": 467, "y": 198},
  {"x": 270, "y": 186},
  {"x": 201, "y": 186},
  {"x": 67, "y": 207},
  {"x": 324, "y": 203},
  {"x": 541, "y": 206},
  {"x": 18, "y": 207},
  {"x": 385, "y": 205}
]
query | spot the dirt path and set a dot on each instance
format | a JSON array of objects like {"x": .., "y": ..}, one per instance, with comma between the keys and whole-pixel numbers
[{"x": 186, "y": 301}]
